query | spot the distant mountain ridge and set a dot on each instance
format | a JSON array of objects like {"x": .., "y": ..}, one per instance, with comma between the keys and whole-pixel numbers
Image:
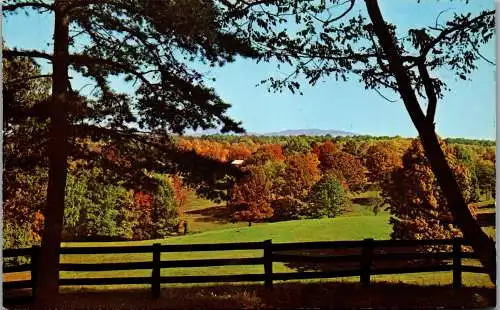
[
  {"x": 288, "y": 132},
  {"x": 308, "y": 132}
]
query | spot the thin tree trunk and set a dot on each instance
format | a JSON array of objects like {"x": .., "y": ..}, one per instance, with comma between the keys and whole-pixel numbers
[
  {"x": 48, "y": 269},
  {"x": 483, "y": 246}
]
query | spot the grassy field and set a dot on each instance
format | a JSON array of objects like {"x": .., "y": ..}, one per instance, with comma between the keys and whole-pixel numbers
[
  {"x": 205, "y": 215},
  {"x": 341, "y": 228},
  {"x": 207, "y": 225}
]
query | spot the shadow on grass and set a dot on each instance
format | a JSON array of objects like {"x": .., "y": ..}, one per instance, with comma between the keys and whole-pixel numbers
[
  {"x": 354, "y": 264},
  {"x": 486, "y": 219},
  {"x": 219, "y": 214},
  {"x": 337, "y": 295}
]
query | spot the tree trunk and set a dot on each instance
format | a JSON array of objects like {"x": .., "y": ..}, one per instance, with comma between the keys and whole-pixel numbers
[
  {"x": 48, "y": 269},
  {"x": 483, "y": 246}
]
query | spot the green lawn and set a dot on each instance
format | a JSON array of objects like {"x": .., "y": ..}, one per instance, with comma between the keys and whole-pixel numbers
[
  {"x": 198, "y": 214},
  {"x": 342, "y": 228},
  {"x": 351, "y": 226}
]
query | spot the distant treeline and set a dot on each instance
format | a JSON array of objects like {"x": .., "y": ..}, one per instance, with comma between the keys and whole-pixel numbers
[{"x": 339, "y": 139}]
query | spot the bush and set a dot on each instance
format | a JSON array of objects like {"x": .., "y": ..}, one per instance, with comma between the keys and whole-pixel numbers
[
  {"x": 288, "y": 208},
  {"x": 17, "y": 236},
  {"x": 92, "y": 209},
  {"x": 327, "y": 198},
  {"x": 96, "y": 211}
]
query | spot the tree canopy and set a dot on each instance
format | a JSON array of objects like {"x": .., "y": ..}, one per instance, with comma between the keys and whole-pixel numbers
[{"x": 148, "y": 44}]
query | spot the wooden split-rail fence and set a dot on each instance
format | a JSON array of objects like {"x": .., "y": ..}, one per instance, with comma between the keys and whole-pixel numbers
[{"x": 367, "y": 253}]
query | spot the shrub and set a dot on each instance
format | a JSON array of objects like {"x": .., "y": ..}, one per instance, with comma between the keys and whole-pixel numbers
[
  {"x": 17, "y": 236},
  {"x": 288, "y": 208}
]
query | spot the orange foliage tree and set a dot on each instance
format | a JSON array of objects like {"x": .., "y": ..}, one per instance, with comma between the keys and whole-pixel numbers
[
  {"x": 207, "y": 148},
  {"x": 350, "y": 167},
  {"x": 381, "y": 159},
  {"x": 24, "y": 201},
  {"x": 239, "y": 151},
  {"x": 301, "y": 173},
  {"x": 324, "y": 149},
  {"x": 419, "y": 209}
]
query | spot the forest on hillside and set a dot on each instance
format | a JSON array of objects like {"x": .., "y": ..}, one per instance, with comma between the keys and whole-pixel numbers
[{"x": 285, "y": 178}]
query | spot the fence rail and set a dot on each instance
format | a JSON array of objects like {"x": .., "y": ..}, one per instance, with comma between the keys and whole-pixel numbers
[{"x": 363, "y": 262}]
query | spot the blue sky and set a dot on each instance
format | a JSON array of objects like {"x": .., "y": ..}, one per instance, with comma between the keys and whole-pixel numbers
[{"x": 467, "y": 111}]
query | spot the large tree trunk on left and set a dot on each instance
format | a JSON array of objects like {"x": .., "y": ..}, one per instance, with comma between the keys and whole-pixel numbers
[
  {"x": 48, "y": 269},
  {"x": 483, "y": 246}
]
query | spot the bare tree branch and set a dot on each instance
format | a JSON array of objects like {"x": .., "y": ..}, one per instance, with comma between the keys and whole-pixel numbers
[
  {"x": 474, "y": 47},
  {"x": 351, "y": 6},
  {"x": 381, "y": 95},
  {"x": 395, "y": 63}
]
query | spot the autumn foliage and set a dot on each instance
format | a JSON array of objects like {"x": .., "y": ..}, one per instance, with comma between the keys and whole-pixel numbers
[
  {"x": 418, "y": 208},
  {"x": 283, "y": 181},
  {"x": 381, "y": 160},
  {"x": 251, "y": 198}
]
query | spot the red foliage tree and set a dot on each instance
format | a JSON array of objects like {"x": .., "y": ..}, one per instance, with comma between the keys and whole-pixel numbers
[{"x": 251, "y": 197}]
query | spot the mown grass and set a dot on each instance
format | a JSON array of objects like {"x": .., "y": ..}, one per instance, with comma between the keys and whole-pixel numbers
[
  {"x": 358, "y": 224},
  {"x": 199, "y": 218},
  {"x": 342, "y": 228}
]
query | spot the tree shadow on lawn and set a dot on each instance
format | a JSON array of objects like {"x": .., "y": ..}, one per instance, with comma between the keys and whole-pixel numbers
[
  {"x": 219, "y": 214},
  {"x": 333, "y": 295},
  {"x": 355, "y": 264}
]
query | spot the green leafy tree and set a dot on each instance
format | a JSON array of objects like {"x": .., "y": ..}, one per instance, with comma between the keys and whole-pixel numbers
[
  {"x": 16, "y": 236},
  {"x": 327, "y": 198},
  {"x": 296, "y": 144},
  {"x": 466, "y": 157},
  {"x": 485, "y": 171},
  {"x": 165, "y": 214},
  {"x": 151, "y": 45},
  {"x": 97, "y": 211}
]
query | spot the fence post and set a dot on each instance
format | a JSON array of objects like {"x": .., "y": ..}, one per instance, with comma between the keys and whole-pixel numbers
[
  {"x": 457, "y": 262},
  {"x": 155, "y": 276},
  {"x": 35, "y": 261},
  {"x": 268, "y": 264},
  {"x": 366, "y": 262}
]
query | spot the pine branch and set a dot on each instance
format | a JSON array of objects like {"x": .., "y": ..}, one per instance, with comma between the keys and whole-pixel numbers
[
  {"x": 35, "y": 5},
  {"x": 10, "y": 54}
]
